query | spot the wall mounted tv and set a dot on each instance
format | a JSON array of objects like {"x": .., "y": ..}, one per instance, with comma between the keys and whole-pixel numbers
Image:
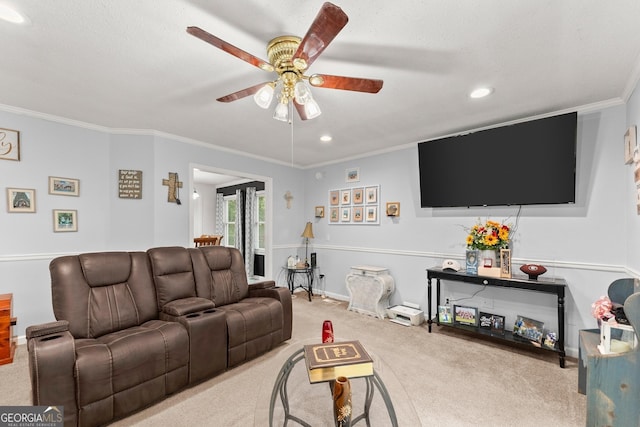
[{"x": 522, "y": 164}]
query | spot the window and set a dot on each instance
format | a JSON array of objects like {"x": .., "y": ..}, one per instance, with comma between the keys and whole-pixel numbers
[
  {"x": 260, "y": 224},
  {"x": 230, "y": 220}
]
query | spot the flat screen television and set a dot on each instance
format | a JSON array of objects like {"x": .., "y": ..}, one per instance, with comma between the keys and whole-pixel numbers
[{"x": 522, "y": 164}]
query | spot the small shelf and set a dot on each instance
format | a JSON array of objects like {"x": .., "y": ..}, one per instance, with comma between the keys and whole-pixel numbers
[{"x": 507, "y": 336}]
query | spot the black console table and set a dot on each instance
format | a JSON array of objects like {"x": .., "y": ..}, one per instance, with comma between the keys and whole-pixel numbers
[{"x": 555, "y": 286}]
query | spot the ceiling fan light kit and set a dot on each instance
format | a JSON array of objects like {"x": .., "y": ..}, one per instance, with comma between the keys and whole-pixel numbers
[{"x": 289, "y": 57}]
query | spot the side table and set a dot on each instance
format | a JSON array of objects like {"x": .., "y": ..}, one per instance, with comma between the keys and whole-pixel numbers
[
  {"x": 306, "y": 274},
  {"x": 7, "y": 321},
  {"x": 369, "y": 290}
]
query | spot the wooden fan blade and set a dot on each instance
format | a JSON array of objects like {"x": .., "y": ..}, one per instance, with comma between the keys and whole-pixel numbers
[
  {"x": 346, "y": 83},
  {"x": 229, "y": 48},
  {"x": 328, "y": 23},
  {"x": 242, "y": 93},
  {"x": 300, "y": 110}
]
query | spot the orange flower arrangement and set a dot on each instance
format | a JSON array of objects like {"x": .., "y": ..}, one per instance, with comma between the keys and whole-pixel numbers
[{"x": 491, "y": 235}]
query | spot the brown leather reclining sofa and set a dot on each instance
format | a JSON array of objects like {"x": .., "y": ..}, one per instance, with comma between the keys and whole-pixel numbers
[{"x": 134, "y": 327}]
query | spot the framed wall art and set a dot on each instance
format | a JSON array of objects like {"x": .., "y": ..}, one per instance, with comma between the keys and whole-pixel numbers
[
  {"x": 64, "y": 186},
  {"x": 629, "y": 145},
  {"x": 65, "y": 220},
  {"x": 393, "y": 208},
  {"x": 352, "y": 175},
  {"x": 129, "y": 184},
  {"x": 357, "y": 205},
  {"x": 21, "y": 200},
  {"x": 319, "y": 211},
  {"x": 9, "y": 144},
  {"x": 358, "y": 214},
  {"x": 358, "y": 196}
]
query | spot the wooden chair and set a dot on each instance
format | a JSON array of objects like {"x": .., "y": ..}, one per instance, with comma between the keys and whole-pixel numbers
[{"x": 208, "y": 240}]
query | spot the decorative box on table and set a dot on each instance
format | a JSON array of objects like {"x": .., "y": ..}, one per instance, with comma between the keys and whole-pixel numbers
[{"x": 369, "y": 290}]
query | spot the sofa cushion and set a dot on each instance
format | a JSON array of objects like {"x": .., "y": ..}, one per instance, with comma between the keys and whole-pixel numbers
[
  {"x": 220, "y": 274},
  {"x": 172, "y": 273},
  {"x": 103, "y": 292}
]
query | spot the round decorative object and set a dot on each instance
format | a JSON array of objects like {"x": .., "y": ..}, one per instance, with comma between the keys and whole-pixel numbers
[{"x": 533, "y": 270}]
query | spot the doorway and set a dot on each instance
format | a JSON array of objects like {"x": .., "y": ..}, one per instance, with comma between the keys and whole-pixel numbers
[{"x": 205, "y": 181}]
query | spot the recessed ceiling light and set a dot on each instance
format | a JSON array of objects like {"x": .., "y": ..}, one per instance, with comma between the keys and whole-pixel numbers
[
  {"x": 326, "y": 138},
  {"x": 480, "y": 92},
  {"x": 11, "y": 15}
]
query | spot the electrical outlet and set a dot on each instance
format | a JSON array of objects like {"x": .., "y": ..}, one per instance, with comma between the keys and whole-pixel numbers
[{"x": 446, "y": 301}]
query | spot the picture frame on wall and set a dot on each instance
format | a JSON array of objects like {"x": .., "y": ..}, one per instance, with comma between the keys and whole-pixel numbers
[
  {"x": 21, "y": 200},
  {"x": 371, "y": 195},
  {"x": 393, "y": 208},
  {"x": 64, "y": 186},
  {"x": 358, "y": 215},
  {"x": 9, "y": 144},
  {"x": 334, "y": 198},
  {"x": 372, "y": 213},
  {"x": 65, "y": 220},
  {"x": 319, "y": 211},
  {"x": 345, "y": 216},
  {"x": 334, "y": 215},
  {"x": 358, "y": 196},
  {"x": 352, "y": 175},
  {"x": 345, "y": 197},
  {"x": 629, "y": 144}
]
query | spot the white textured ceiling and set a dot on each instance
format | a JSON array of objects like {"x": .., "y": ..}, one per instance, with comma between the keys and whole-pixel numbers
[{"x": 130, "y": 64}]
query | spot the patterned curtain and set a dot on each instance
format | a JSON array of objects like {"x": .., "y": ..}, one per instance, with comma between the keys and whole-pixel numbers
[
  {"x": 250, "y": 207},
  {"x": 239, "y": 218},
  {"x": 220, "y": 214}
]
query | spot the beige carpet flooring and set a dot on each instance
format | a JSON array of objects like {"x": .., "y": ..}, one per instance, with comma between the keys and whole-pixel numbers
[{"x": 444, "y": 378}]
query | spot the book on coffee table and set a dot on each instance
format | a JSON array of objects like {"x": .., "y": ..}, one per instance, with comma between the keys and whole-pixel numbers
[{"x": 327, "y": 361}]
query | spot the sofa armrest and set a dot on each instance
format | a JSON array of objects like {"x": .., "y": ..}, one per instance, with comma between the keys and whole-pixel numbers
[
  {"x": 52, "y": 360},
  {"x": 284, "y": 296},
  {"x": 183, "y": 306},
  {"x": 262, "y": 285}
]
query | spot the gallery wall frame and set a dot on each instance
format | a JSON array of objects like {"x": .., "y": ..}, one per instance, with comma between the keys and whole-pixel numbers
[
  {"x": 630, "y": 141},
  {"x": 21, "y": 200},
  {"x": 355, "y": 205},
  {"x": 9, "y": 144},
  {"x": 65, "y": 220},
  {"x": 64, "y": 186}
]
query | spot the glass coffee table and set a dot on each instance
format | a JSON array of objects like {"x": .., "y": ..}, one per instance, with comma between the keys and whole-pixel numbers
[{"x": 288, "y": 398}]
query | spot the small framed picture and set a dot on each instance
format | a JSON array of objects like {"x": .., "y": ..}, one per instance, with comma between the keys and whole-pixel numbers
[
  {"x": 471, "y": 261},
  {"x": 529, "y": 329},
  {"x": 352, "y": 175},
  {"x": 505, "y": 263},
  {"x": 358, "y": 196},
  {"x": 497, "y": 324},
  {"x": 629, "y": 144},
  {"x": 65, "y": 220},
  {"x": 334, "y": 198},
  {"x": 371, "y": 194},
  {"x": 464, "y": 315},
  {"x": 21, "y": 200},
  {"x": 444, "y": 314},
  {"x": 372, "y": 213},
  {"x": 334, "y": 215},
  {"x": 345, "y": 216},
  {"x": 319, "y": 211},
  {"x": 64, "y": 186},
  {"x": 357, "y": 214},
  {"x": 345, "y": 197},
  {"x": 393, "y": 208},
  {"x": 550, "y": 339},
  {"x": 9, "y": 144}
]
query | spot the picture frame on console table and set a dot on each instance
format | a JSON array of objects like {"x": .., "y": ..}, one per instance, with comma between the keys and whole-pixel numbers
[
  {"x": 444, "y": 314},
  {"x": 530, "y": 329},
  {"x": 505, "y": 263},
  {"x": 464, "y": 315},
  {"x": 471, "y": 258}
]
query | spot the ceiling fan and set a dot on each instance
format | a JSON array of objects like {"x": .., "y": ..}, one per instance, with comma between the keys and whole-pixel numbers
[{"x": 290, "y": 57}]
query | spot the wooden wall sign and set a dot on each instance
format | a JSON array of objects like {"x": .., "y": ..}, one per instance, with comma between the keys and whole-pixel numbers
[
  {"x": 174, "y": 185},
  {"x": 130, "y": 184}
]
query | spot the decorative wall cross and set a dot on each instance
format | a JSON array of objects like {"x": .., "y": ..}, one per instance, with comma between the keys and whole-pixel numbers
[
  {"x": 173, "y": 184},
  {"x": 288, "y": 197}
]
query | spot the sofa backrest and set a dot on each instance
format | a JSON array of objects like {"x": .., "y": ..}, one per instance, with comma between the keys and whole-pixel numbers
[
  {"x": 220, "y": 274},
  {"x": 102, "y": 292},
  {"x": 172, "y": 273}
]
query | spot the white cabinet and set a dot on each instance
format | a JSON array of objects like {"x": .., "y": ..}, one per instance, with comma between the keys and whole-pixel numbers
[{"x": 369, "y": 290}]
